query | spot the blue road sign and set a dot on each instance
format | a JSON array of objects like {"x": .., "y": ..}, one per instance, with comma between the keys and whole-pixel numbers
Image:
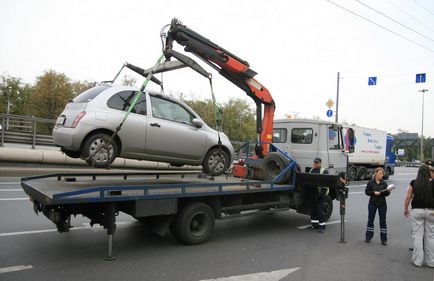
[
  {"x": 329, "y": 113},
  {"x": 421, "y": 78},
  {"x": 372, "y": 81}
]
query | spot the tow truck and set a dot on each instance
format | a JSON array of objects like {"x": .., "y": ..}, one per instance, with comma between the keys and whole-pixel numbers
[{"x": 186, "y": 204}]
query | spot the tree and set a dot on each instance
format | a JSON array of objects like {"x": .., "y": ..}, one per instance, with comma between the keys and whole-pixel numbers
[
  {"x": 51, "y": 93},
  {"x": 79, "y": 87},
  {"x": 238, "y": 118},
  {"x": 239, "y": 122},
  {"x": 128, "y": 80},
  {"x": 15, "y": 94}
]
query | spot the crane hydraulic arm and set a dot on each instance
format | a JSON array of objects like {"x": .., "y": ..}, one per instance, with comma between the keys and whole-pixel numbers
[{"x": 229, "y": 66}]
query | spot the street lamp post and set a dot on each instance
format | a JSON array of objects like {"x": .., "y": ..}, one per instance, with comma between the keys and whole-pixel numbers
[
  {"x": 421, "y": 134},
  {"x": 9, "y": 104}
]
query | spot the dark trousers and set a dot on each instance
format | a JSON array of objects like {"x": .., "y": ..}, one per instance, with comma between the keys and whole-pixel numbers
[
  {"x": 316, "y": 204},
  {"x": 382, "y": 210}
]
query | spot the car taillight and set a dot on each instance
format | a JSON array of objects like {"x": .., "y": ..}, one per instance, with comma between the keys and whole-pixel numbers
[{"x": 78, "y": 118}]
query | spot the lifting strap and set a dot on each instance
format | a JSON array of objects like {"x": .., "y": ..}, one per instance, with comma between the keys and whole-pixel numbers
[{"x": 138, "y": 94}]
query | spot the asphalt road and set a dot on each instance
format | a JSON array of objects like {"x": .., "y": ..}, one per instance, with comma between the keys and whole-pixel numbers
[{"x": 265, "y": 247}]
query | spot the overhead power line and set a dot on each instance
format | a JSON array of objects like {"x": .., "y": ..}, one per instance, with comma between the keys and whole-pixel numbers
[
  {"x": 411, "y": 16},
  {"x": 395, "y": 21},
  {"x": 383, "y": 27},
  {"x": 424, "y": 7}
]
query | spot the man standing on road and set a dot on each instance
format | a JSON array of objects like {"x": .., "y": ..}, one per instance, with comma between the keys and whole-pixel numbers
[{"x": 316, "y": 197}]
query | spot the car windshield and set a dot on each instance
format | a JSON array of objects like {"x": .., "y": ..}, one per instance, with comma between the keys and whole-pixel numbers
[{"x": 90, "y": 94}]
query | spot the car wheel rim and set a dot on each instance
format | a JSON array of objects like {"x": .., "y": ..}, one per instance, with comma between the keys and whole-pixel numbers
[
  {"x": 100, "y": 155},
  {"x": 217, "y": 162}
]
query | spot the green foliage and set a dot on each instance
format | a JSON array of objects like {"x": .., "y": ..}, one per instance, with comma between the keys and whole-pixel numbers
[
  {"x": 16, "y": 92},
  {"x": 51, "y": 93},
  {"x": 238, "y": 118}
]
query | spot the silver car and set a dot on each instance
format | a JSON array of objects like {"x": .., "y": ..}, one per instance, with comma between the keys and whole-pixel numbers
[{"x": 159, "y": 128}]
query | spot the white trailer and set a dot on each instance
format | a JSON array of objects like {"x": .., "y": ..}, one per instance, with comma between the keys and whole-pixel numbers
[{"x": 369, "y": 154}]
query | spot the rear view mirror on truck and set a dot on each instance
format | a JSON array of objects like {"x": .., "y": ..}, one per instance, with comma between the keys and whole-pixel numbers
[{"x": 350, "y": 140}]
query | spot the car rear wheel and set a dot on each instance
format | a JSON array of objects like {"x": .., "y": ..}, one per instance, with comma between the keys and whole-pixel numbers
[
  {"x": 97, "y": 152},
  {"x": 216, "y": 162}
]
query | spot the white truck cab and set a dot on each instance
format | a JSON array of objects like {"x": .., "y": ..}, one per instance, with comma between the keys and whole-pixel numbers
[{"x": 305, "y": 139}]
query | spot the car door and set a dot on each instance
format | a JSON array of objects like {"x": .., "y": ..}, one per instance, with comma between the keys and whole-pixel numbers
[
  {"x": 170, "y": 132},
  {"x": 133, "y": 130}
]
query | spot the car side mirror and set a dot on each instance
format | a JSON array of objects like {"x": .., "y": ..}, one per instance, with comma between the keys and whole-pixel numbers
[{"x": 197, "y": 122}]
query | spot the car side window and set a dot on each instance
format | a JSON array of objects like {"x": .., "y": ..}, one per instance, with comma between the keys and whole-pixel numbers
[
  {"x": 169, "y": 110},
  {"x": 301, "y": 135},
  {"x": 123, "y": 100},
  {"x": 279, "y": 135}
]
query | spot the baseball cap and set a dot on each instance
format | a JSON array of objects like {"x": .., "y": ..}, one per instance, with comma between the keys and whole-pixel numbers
[{"x": 317, "y": 159}]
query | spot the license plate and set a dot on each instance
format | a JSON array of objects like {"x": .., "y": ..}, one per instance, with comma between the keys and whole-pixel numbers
[{"x": 60, "y": 120}]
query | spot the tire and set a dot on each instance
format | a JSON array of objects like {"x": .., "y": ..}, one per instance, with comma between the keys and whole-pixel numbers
[
  {"x": 352, "y": 173},
  {"x": 328, "y": 207},
  {"x": 195, "y": 223},
  {"x": 273, "y": 164},
  {"x": 387, "y": 174},
  {"x": 100, "y": 159},
  {"x": 361, "y": 174},
  {"x": 216, "y": 162}
]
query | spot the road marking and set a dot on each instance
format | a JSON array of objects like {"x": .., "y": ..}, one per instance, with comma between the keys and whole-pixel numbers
[
  {"x": 13, "y": 199},
  {"x": 18, "y": 189},
  {"x": 357, "y": 192},
  {"x": 4, "y": 183},
  {"x": 86, "y": 226},
  {"x": 15, "y": 268},
  {"x": 327, "y": 223},
  {"x": 260, "y": 276}
]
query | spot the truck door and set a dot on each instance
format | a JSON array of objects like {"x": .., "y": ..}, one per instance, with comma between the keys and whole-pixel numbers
[{"x": 337, "y": 159}]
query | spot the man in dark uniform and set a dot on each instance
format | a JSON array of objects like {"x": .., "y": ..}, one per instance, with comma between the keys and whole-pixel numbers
[{"x": 316, "y": 195}]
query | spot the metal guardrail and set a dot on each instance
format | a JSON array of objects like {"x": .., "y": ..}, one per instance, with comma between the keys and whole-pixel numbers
[{"x": 26, "y": 130}]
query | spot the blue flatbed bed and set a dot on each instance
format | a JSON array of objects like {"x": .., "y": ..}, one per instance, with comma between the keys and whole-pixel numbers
[{"x": 75, "y": 188}]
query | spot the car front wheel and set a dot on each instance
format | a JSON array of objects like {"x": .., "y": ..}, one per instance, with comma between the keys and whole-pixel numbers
[
  {"x": 97, "y": 152},
  {"x": 216, "y": 162}
]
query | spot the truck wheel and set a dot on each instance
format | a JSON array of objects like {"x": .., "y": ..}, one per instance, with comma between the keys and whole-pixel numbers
[
  {"x": 387, "y": 172},
  {"x": 216, "y": 162},
  {"x": 195, "y": 223},
  {"x": 352, "y": 173},
  {"x": 105, "y": 156},
  {"x": 361, "y": 175},
  {"x": 328, "y": 207},
  {"x": 273, "y": 164}
]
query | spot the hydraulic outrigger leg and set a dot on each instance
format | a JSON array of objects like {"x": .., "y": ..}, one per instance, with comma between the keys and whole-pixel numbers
[{"x": 110, "y": 217}]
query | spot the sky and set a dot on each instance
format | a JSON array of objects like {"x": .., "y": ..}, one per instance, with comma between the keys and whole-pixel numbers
[{"x": 296, "y": 47}]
